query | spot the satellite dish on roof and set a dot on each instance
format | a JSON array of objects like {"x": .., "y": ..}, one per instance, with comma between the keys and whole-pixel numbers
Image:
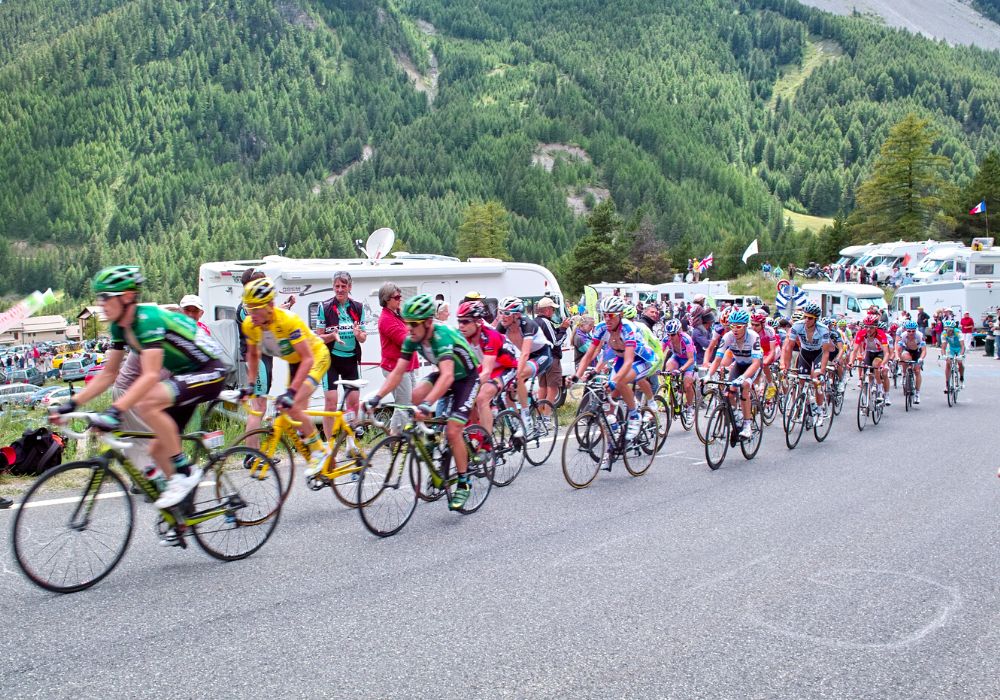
[{"x": 380, "y": 243}]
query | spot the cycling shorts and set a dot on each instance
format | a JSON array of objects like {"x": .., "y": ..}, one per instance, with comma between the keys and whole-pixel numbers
[
  {"x": 674, "y": 365},
  {"x": 809, "y": 359},
  {"x": 463, "y": 394},
  {"x": 738, "y": 369},
  {"x": 639, "y": 366},
  {"x": 540, "y": 363},
  {"x": 952, "y": 352},
  {"x": 870, "y": 357},
  {"x": 192, "y": 388},
  {"x": 502, "y": 377}
]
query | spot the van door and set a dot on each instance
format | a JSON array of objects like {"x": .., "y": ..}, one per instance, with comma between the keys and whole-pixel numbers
[{"x": 436, "y": 288}]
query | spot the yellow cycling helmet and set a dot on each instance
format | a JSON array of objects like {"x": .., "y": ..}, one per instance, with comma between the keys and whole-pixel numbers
[{"x": 258, "y": 292}]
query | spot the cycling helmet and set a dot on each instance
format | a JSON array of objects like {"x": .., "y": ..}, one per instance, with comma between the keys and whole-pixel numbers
[
  {"x": 842, "y": 323},
  {"x": 117, "y": 280},
  {"x": 910, "y": 325},
  {"x": 612, "y": 305},
  {"x": 811, "y": 309},
  {"x": 672, "y": 327},
  {"x": 511, "y": 305},
  {"x": 418, "y": 308},
  {"x": 471, "y": 309},
  {"x": 725, "y": 314},
  {"x": 758, "y": 317},
  {"x": 883, "y": 326},
  {"x": 894, "y": 327},
  {"x": 258, "y": 292},
  {"x": 949, "y": 323},
  {"x": 772, "y": 322},
  {"x": 739, "y": 318},
  {"x": 630, "y": 312},
  {"x": 797, "y": 316},
  {"x": 871, "y": 321}
]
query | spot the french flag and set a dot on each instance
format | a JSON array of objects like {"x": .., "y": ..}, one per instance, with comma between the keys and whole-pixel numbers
[{"x": 979, "y": 208}]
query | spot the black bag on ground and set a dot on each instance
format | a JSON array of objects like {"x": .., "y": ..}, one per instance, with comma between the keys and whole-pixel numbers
[{"x": 35, "y": 451}]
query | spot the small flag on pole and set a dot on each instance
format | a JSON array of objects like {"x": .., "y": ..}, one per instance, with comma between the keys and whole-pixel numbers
[
  {"x": 750, "y": 251},
  {"x": 979, "y": 208},
  {"x": 706, "y": 263}
]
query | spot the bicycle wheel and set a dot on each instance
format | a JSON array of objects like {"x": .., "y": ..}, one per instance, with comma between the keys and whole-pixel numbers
[
  {"x": 252, "y": 505},
  {"x": 907, "y": 390},
  {"x": 583, "y": 448},
  {"x": 863, "y": 399},
  {"x": 749, "y": 447},
  {"x": 704, "y": 406},
  {"x": 277, "y": 448},
  {"x": 481, "y": 468},
  {"x": 509, "y": 450},
  {"x": 769, "y": 406},
  {"x": 795, "y": 420},
  {"x": 542, "y": 440},
  {"x": 838, "y": 399},
  {"x": 687, "y": 420},
  {"x": 717, "y": 437},
  {"x": 345, "y": 474},
  {"x": 663, "y": 419},
  {"x": 389, "y": 485},
  {"x": 821, "y": 431},
  {"x": 639, "y": 455},
  {"x": 81, "y": 534},
  {"x": 877, "y": 405}
]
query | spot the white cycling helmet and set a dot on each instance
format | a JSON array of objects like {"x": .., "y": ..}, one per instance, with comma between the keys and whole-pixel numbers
[{"x": 612, "y": 305}]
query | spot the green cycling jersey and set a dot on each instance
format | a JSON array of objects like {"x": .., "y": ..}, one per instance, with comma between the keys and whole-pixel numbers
[
  {"x": 185, "y": 346},
  {"x": 445, "y": 343}
]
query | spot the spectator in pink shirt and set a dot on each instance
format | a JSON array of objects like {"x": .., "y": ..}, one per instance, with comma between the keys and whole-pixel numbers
[{"x": 392, "y": 331}]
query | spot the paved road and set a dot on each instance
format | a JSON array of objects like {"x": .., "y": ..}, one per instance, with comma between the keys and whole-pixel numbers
[{"x": 864, "y": 567}]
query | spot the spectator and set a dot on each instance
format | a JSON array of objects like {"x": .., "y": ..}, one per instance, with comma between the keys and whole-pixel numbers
[
  {"x": 650, "y": 315},
  {"x": 766, "y": 269},
  {"x": 923, "y": 321},
  {"x": 701, "y": 334},
  {"x": 340, "y": 324},
  {"x": 192, "y": 307},
  {"x": 778, "y": 273},
  {"x": 968, "y": 325},
  {"x": 392, "y": 331},
  {"x": 443, "y": 311},
  {"x": 551, "y": 380},
  {"x": 582, "y": 338}
]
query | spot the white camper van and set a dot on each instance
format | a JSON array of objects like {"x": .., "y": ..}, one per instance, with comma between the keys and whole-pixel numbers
[
  {"x": 899, "y": 254},
  {"x": 685, "y": 291},
  {"x": 310, "y": 281},
  {"x": 852, "y": 253},
  {"x": 950, "y": 262},
  {"x": 845, "y": 299},
  {"x": 632, "y": 292},
  {"x": 978, "y": 297}
]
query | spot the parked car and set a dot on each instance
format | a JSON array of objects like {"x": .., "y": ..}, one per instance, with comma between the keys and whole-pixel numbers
[
  {"x": 59, "y": 396},
  {"x": 16, "y": 394},
  {"x": 93, "y": 372},
  {"x": 73, "y": 370},
  {"x": 58, "y": 360},
  {"x": 28, "y": 375},
  {"x": 41, "y": 393}
]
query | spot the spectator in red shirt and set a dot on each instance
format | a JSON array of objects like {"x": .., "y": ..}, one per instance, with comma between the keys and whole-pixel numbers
[
  {"x": 392, "y": 331},
  {"x": 967, "y": 325}
]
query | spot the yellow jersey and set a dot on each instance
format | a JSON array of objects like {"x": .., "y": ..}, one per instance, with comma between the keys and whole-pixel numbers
[{"x": 276, "y": 338}]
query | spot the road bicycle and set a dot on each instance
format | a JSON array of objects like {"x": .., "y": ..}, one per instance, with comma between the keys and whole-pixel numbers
[
  {"x": 871, "y": 397},
  {"x": 540, "y": 440},
  {"x": 706, "y": 399},
  {"x": 345, "y": 447},
  {"x": 803, "y": 409},
  {"x": 671, "y": 402},
  {"x": 836, "y": 387},
  {"x": 909, "y": 382},
  {"x": 597, "y": 437},
  {"x": 726, "y": 422},
  {"x": 76, "y": 521},
  {"x": 417, "y": 465},
  {"x": 509, "y": 446},
  {"x": 953, "y": 379}
]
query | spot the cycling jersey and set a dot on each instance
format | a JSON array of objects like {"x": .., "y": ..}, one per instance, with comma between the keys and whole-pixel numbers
[
  {"x": 277, "y": 336},
  {"x": 820, "y": 336},
  {"x": 873, "y": 343},
  {"x": 745, "y": 352},
  {"x": 767, "y": 339},
  {"x": 911, "y": 341},
  {"x": 529, "y": 329},
  {"x": 629, "y": 336},
  {"x": 686, "y": 349},
  {"x": 186, "y": 348},
  {"x": 953, "y": 340},
  {"x": 494, "y": 344},
  {"x": 445, "y": 343},
  {"x": 653, "y": 343}
]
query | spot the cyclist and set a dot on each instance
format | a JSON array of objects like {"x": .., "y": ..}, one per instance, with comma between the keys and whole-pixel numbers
[
  {"x": 768, "y": 344},
  {"x": 535, "y": 349},
  {"x": 873, "y": 344},
  {"x": 497, "y": 357},
  {"x": 632, "y": 361},
  {"x": 457, "y": 376},
  {"x": 913, "y": 348},
  {"x": 812, "y": 339},
  {"x": 647, "y": 385},
  {"x": 277, "y": 332},
  {"x": 953, "y": 348},
  {"x": 740, "y": 352},
  {"x": 837, "y": 355},
  {"x": 682, "y": 359},
  {"x": 163, "y": 340}
]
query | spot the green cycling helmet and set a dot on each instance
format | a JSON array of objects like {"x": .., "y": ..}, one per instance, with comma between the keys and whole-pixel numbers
[
  {"x": 117, "y": 280},
  {"x": 418, "y": 308},
  {"x": 630, "y": 313}
]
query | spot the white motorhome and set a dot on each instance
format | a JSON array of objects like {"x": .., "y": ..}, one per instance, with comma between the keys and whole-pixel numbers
[
  {"x": 845, "y": 299},
  {"x": 950, "y": 262},
  {"x": 902, "y": 255},
  {"x": 310, "y": 282},
  {"x": 686, "y": 291},
  {"x": 741, "y": 300},
  {"x": 852, "y": 253},
  {"x": 632, "y": 292},
  {"x": 978, "y": 297}
]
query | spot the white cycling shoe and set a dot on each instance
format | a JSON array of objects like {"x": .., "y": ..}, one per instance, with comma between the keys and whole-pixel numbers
[{"x": 178, "y": 487}]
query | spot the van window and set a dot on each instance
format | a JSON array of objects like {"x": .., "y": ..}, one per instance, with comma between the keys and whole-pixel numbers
[
  {"x": 678, "y": 295},
  {"x": 834, "y": 301},
  {"x": 960, "y": 267},
  {"x": 225, "y": 313},
  {"x": 949, "y": 266},
  {"x": 982, "y": 269},
  {"x": 914, "y": 303},
  {"x": 852, "y": 304}
]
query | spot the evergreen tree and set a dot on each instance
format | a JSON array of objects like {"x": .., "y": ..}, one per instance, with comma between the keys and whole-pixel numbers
[
  {"x": 597, "y": 257},
  {"x": 484, "y": 232}
]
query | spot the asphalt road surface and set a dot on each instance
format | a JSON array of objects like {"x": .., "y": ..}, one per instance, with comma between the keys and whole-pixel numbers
[{"x": 863, "y": 567}]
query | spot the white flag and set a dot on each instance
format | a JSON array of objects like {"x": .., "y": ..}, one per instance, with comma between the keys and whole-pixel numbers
[{"x": 751, "y": 250}]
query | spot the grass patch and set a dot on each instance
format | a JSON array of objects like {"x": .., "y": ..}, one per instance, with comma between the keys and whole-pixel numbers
[
  {"x": 818, "y": 52},
  {"x": 807, "y": 221},
  {"x": 754, "y": 283}
]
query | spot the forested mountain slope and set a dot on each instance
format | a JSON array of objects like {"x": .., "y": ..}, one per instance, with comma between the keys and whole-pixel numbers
[{"x": 174, "y": 132}]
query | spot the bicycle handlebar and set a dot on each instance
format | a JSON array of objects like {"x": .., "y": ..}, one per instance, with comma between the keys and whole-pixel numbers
[
  {"x": 107, "y": 438},
  {"x": 419, "y": 425}
]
